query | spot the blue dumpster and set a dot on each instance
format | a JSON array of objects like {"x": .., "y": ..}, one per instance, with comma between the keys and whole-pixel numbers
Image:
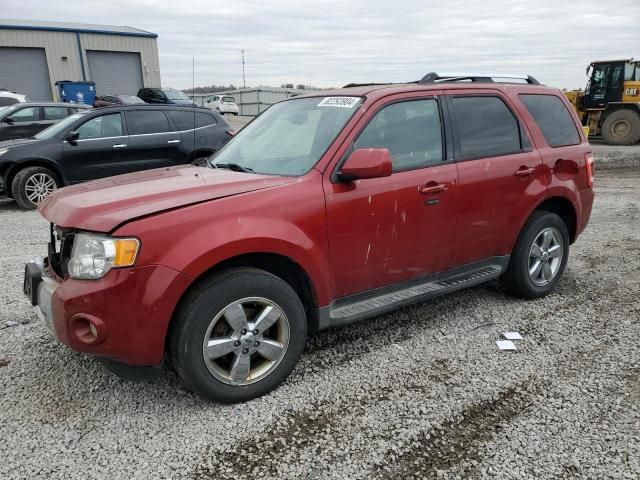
[{"x": 76, "y": 92}]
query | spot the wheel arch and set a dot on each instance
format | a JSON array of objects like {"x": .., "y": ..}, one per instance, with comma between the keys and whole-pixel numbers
[
  {"x": 564, "y": 208},
  {"x": 277, "y": 264},
  {"x": 14, "y": 168}
]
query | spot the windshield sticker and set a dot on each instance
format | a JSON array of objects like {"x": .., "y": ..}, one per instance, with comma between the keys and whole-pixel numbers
[{"x": 343, "y": 102}]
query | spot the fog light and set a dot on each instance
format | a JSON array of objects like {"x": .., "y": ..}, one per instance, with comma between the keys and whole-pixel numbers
[{"x": 88, "y": 328}]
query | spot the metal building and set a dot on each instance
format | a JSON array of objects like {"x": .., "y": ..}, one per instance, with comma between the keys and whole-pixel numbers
[
  {"x": 253, "y": 101},
  {"x": 35, "y": 55}
]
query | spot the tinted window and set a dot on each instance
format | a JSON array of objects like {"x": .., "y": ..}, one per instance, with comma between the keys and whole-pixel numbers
[
  {"x": 147, "y": 121},
  {"x": 228, "y": 99},
  {"x": 204, "y": 119},
  {"x": 183, "y": 119},
  {"x": 486, "y": 127},
  {"x": 553, "y": 118},
  {"x": 8, "y": 100},
  {"x": 410, "y": 130},
  {"x": 101, "y": 127},
  {"x": 30, "y": 114},
  {"x": 54, "y": 113}
]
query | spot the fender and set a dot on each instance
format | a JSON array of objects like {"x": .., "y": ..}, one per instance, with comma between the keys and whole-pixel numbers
[
  {"x": 192, "y": 240},
  {"x": 15, "y": 166}
]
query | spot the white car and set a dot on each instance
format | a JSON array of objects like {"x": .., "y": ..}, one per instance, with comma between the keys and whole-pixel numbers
[
  {"x": 223, "y": 104},
  {"x": 9, "y": 98}
]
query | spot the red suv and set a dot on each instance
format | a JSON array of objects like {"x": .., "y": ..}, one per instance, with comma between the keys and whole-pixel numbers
[{"x": 326, "y": 209}]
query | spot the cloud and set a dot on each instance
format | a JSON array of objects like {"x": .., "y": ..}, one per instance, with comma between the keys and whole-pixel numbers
[{"x": 331, "y": 42}]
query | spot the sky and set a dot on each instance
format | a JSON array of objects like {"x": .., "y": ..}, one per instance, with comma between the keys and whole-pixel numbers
[{"x": 333, "y": 42}]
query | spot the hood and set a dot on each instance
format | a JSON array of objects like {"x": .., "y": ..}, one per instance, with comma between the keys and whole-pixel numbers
[
  {"x": 102, "y": 205},
  {"x": 18, "y": 142}
]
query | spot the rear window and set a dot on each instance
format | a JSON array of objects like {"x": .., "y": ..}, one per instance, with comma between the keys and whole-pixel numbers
[
  {"x": 486, "y": 127},
  {"x": 147, "y": 121},
  {"x": 204, "y": 119},
  {"x": 228, "y": 99},
  {"x": 553, "y": 118}
]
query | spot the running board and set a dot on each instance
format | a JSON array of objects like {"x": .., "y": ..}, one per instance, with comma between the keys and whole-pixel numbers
[{"x": 381, "y": 300}]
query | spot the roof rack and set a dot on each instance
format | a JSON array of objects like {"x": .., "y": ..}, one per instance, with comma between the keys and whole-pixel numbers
[{"x": 434, "y": 77}]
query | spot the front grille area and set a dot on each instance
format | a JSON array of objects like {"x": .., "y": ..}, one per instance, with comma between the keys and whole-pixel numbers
[{"x": 60, "y": 246}]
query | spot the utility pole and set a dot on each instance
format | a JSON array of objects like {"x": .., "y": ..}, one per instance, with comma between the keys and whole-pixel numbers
[{"x": 244, "y": 81}]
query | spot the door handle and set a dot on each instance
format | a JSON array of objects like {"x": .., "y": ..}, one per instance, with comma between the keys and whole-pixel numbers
[
  {"x": 120, "y": 145},
  {"x": 173, "y": 141},
  {"x": 433, "y": 187},
  {"x": 524, "y": 172}
]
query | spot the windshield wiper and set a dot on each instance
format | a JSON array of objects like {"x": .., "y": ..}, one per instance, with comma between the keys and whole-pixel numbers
[{"x": 233, "y": 166}]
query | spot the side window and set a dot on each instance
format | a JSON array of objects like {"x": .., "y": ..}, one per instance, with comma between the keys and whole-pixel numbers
[
  {"x": 54, "y": 113},
  {"x": 29, "y": 114},
  {"x": 410, "y": 130},
  {"x": 183, "y": 119},
  {"x": 553, "y": 118},
  {"x": 101, "y": 127},
  {"x": 204, "y": 119},
  {"x": 486, "y": 127},
  {"x": 141, "y": 122}
]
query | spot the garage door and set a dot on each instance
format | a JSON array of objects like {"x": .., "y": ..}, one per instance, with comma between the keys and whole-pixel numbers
[
  {"x": 115, "y": 72},
  {"x": 25, "y": 71}
]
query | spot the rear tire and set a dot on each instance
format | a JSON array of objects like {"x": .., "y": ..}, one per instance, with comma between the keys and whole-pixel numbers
[
  {"x": 32, "y": 184},
  {"x": 621, "y": 127},
  {"x": 217, "y": 344},
  {"x": 539, "y": 257}
]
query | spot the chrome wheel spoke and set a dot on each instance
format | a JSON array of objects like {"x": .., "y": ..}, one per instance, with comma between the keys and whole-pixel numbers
[
  {"x": 240, "y": 368},
  {"x": 555, "y": 251},
  {"x": 270, "y": 349},
  {"x": 236, "y": 317},
  {"x": 219, "y": 347},
  {"x": 267, "y": 318},
  {"x": 547, "y": 238},
  {"x": 536, "y": 251},
  {"x": 547, "y": 273},
  {"x": 534, "y": 270}
]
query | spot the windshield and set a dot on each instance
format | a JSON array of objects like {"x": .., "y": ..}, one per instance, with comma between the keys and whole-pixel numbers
[
  {"x": 4, "y": 110},
  {"x": 175, "y": 95},
  {"x": 59, "y": 127},
  {"x": 290, "y": 137}
]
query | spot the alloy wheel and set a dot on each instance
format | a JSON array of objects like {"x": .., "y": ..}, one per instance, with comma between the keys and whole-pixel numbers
[
  {"x": 246, "y": 341},
  {"x": 38, "y": 186},
  {"x": 545, "y": 256}
]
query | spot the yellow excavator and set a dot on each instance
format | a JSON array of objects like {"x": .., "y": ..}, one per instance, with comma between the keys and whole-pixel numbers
[{"x": 609, "y": 106}]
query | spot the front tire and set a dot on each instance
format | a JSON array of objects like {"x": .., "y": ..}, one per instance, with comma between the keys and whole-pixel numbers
[
  {"x": 31, "y": 185},
  {"x": 238, "y": 335},
  {"x": 539, "y": 257},
  {"x": 621, "y": 127}
]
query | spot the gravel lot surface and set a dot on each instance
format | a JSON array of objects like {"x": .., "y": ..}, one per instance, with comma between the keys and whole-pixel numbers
[{"x": 419, "y": 393}]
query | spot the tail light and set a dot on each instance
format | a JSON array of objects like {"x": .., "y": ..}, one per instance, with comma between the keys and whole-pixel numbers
[{"x": 590, "y": 167}]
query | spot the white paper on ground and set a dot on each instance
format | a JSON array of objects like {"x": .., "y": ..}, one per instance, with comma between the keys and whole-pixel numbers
[
  {"x": 512, "y": 335},
  {"x": 506, "y": 345}
]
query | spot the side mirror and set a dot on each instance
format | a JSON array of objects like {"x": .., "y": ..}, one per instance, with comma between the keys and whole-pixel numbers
[
  {"x": 367, "y": 163},
  {"x": 7, "y": 120},
  {"x": 71, "y": 137}
]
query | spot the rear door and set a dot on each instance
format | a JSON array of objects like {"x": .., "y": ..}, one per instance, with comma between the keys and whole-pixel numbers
[
  {"x": 22, "y": 123},
  {"x": 153, "y": 141},
  {"x": 387, "y": 230},
  {"x": 500, "y": 173}
]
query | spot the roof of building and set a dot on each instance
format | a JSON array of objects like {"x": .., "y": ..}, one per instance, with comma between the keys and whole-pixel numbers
[{"x": 12, "y": 24}]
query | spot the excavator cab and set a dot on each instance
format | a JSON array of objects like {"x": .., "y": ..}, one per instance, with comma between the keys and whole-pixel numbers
[{"x": 606, "y": 83}]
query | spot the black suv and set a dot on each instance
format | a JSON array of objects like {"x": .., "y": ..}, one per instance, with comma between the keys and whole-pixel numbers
[
  {"x": 107, "y": 141},
  {"x": 23, "y": 120},
  {"x": 165, "y": 96}
]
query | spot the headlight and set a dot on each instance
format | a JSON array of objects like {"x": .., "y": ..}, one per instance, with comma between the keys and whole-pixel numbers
[
  {"x": 94, "y": 255},
  {"x": 3, "y": 151}
]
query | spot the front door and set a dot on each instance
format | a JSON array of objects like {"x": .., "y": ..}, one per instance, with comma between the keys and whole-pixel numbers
[
  {"x": 386, "y": 230},
  {"x": 101, "y": 150},
  {"x": 498, "y": 171},
  {"x": 22, "y": 123}
]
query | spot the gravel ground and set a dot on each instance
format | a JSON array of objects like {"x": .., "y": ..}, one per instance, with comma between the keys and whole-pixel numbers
[{"x": 419, "y": 393}]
